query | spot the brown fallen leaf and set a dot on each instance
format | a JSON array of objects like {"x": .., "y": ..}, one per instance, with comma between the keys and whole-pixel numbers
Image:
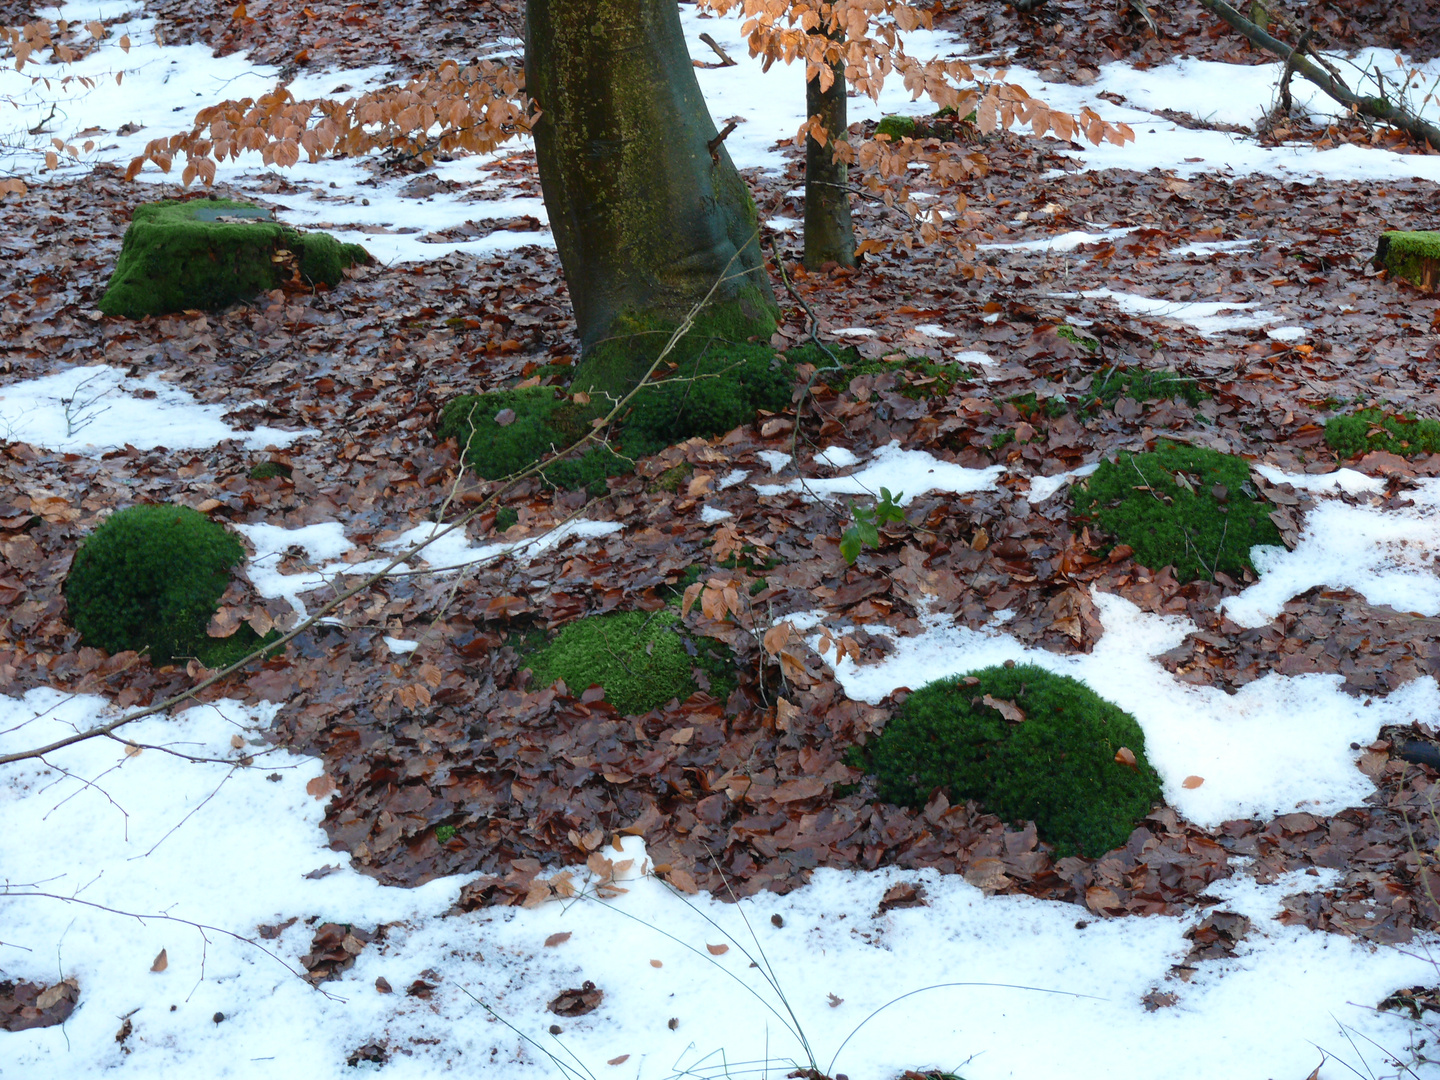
[
  {"x": 1192, "y": 782},
  {"x": 557, "y": 939},
  {"x": 1008, "y": 709},
  {"x": 618, "y": 1060},
  {"x": 161, "y": 962},
  {"x": 321, "y": 786},
  {"x": 577, "y": 1002},
  {"x": 717, "y": 950},
  {"x": 1125, "y": 756},
  {"x": 656, "y": 964}
]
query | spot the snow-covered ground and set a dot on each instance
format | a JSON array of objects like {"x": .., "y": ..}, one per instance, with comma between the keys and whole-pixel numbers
[{"x": 131, "y": 850}]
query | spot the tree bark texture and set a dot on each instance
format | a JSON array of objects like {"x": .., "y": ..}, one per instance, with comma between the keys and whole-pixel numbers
[
  {"x": 829, "y": 233},
  {"x": 645, "y": 204}
]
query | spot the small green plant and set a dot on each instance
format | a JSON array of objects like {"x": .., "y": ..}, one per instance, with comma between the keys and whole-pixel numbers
[
  {"x": 916, "y": 377},
  {"x": 1027, "y": 745},
  {"x": 1030, "y": 405},
  {"x": 640, "y": 658},
  {"x": 1372, "y": 429},
  {"x": 1184, "y": 506},
  {"x": 869, "y": 520},
  {"x": 505, "y": 517},
  {"x": 151, "y": 577},
  {"x": 444, "y": 833}
]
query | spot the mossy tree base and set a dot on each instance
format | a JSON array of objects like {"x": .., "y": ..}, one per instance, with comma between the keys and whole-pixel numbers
[
  {"x": 1028, "y": 746},
  {"x": 208, "y": 253},
  {"x": 1414, "y": 256},
  {"x": 1183, "y": 506},
  {"x": 703, "y": 390},
  {"x": 640, "y": 658}
]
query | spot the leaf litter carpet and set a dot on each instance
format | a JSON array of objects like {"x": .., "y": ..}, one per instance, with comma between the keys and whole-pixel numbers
[{"x": 727, "y": 794}]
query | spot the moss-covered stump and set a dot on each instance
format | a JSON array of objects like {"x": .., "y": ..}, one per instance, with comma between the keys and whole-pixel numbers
[
  {"x": 1414, "y": 256},
  {"x": 1028, "y": 746},
  {"x": 209, "y": 253},
  {"x": 151, "y": 578},
  {"x": 1371, "y": 429},
  {"x": 642, "y": 659},
  {"x": 1183, "y": 506}
]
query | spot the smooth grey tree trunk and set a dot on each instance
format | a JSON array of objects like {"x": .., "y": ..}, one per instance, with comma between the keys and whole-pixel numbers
[
  {"x": 829, "y": 233},
  {"x": 647, "y": 209}
]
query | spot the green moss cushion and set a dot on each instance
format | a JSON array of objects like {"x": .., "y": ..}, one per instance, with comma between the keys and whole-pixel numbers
[
  {"x": 209, "y": 253},
  {"x": 1183, "y": 506},
  {"x": 1056, "y": 767},
  {"x": 151, "y": 577},
  {"x": 1414, "y": 256},
  {"x": 640, "y": 658},
  {"x": 1371, "y": 429}
]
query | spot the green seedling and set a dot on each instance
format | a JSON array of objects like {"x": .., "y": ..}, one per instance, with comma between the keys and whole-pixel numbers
[{"x": 869, "y": 520}]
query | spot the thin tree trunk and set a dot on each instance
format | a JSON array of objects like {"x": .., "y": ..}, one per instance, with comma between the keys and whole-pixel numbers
[
  {"x": 829, "y": 234},
  {"x": 645, "y": 204},
  {"x": 1374, "y": 107}
]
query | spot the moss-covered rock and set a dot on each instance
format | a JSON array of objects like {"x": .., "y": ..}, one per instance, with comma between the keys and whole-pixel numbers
[
  {"x": 209, "y": 253},
  {"x": 896, "y": 127},
  {"x": 642, "y": 659},
  {"x": 1056, "y": 767},
  {"x": 1372, "y": 429},
  {"x": 1182, "y": 506},
  {"x": 1414, "y": 256},
  {"x": 269, "y": 470},
  {"x": 151, "y": 577}
]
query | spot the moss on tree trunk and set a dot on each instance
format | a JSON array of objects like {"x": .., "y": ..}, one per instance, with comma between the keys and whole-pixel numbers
[{"x": 647, "y": 209}]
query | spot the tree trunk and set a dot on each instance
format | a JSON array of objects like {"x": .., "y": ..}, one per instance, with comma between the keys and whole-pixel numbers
[
  {"x": 645, "y": 204},
  {"x": 829, "y": 235}
]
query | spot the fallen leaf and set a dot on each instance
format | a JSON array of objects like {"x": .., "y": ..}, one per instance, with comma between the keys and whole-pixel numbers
[
  {"x": 618, "y": 1060},
  {"x": 161, "y": 962},
  {"x": 557, "y": 939},
  {"x": 321, "y": 786},
  {"x": 1192, "y": 782},
  {"x": 577, "y": 1002},
  {"x": 717, "y": 950},
  {"x": 835, "y": 1002},
  {"x": 656, "y": 964},
  {"x": 1008, "y": 709},
  {"x": 1125, "y": 756}
]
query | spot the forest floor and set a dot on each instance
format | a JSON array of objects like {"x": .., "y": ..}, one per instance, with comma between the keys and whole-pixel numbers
[{"x": 1244, "y": 266}]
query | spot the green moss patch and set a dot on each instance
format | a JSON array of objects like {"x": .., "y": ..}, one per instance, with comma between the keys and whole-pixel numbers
[
  {"x": 1182, "y": 506},
  {"x": 151, "y": 577},
  {"x": 209, "y": 253},
  {"x": 1056, "y": 767},
  {"x": 1414, "y": 256},
  {"x": 269, "y": 470},
  {"x": 505, "y": 431},
  {"x": 642, "y": 659},
  {"x": 1139, "y": 384},
  {"x": 1372, "y": 429}
]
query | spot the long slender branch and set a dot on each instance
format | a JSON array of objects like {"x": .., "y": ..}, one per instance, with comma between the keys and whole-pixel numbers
[{"x": 1377, "y": 108}]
